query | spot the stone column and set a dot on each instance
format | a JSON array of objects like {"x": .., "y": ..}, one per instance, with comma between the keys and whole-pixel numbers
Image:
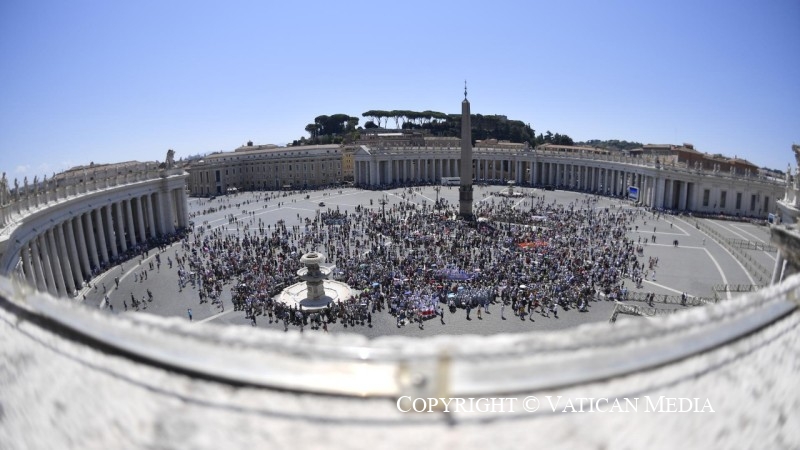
[
  {"x": 682, "y": 195},
  {"x": 63, "y": 256},
  {"x": 668, "y": 194},
  {"x": 604, "y": 179},
  {"x": 176, "y": 195},
  {"x": 131, "y": 228},
  {"x": 166, "y": 210},
  {"x": 90, "y": 238},
  {"x": 140, "y": 219},
  {"x": 101, "y": 233},
  {"x": 183, "y": 219},
  {"x": 644, "y": 192},
  {"x": 36, "y": 260},
  {"x": 81, "y": 243},
  {"x": 530, "y": 171},
  {"x": 610, "y": 181},
  {"x": 612, "y": 178},
  {"x": 657, "y": 192},
  {"x": 584, "y": 176},
  {"x": 151, "y": 214},
  {"x": 110, "y": 234},
  {"x": 119, "y": 226},
  {"x": 74, "y": 258},
  {"x": 596, "y": 180},
  {"x": 55, "y": 266},
  {"x": 574, "y": 176},
  {"x": 30, "y": 277}
]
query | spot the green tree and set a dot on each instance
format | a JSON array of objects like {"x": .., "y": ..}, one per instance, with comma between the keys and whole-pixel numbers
[{"x": 312, "y": 129}]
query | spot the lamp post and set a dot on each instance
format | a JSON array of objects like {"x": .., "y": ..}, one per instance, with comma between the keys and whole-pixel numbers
[
  {"x": 437, "y": 189},
  {"x": 383, "y": 201}
]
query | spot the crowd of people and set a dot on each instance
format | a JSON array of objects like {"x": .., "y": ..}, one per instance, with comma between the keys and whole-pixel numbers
[{"x": 412, "y": 261}]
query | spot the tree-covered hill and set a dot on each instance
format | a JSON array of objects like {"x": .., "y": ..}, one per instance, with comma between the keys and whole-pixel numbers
[
  {"x": 339, "y": 128},
  {"x": 611, "y": 144}
]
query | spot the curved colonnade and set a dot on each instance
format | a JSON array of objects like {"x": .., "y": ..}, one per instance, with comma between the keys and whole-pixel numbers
[
  {"x": 675, "y": 186},
  {"x": 57, "y": 235}
]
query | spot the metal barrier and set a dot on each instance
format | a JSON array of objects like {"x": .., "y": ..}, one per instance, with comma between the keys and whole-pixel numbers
[
  {"x": 636, "y": 310},
  {"x": 670, "y": 299},
  {"x": 751, "y": 265},
  {"x": 751, "y": 245},
  {"x": 736, "y": 287}
]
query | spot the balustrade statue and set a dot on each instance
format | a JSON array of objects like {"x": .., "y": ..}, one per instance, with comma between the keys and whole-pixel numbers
[
  {"x": 4, "y": 194},
  {"x": 796, "y": 178}
]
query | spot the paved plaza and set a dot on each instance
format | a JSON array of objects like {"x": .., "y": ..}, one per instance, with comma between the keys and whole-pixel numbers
[{"x": 694, "y": 266}]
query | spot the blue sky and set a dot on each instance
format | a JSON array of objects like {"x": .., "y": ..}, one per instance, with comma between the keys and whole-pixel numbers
[{"x": 105, "y": 81}]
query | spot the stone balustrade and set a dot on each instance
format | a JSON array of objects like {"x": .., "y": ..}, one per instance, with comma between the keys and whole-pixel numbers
[{"x": 24, "y": 198}]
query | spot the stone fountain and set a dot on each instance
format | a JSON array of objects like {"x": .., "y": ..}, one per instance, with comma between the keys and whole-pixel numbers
[{"x": 315, "y": 291}]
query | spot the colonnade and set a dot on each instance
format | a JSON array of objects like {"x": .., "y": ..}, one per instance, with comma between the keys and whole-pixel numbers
[
  {"x": 66, "y": 253},
  {"x": 657, "y": 186},
  {"x": 659, "y": 192}
]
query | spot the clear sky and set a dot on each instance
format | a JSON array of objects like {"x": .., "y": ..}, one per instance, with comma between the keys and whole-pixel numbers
[{"x": 108, "y": 81}]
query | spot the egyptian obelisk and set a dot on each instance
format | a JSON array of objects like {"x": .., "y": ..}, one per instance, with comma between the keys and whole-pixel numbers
[{"x": 465, "y": 188}]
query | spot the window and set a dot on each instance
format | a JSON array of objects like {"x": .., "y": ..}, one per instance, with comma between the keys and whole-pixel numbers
[
  {"x": 723, "y": 196},
  {"x": 738, "y": 200},
  {"x": 706, "y": 195},
  {"x": 753, "y": 202}
]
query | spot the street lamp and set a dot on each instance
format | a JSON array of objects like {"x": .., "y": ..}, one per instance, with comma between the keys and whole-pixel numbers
[
  {"x": 437, "y": 189},
  {"x": 383, "y": 201}
]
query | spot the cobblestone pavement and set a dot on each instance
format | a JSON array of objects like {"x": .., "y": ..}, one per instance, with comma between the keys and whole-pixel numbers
[{"x": 696, "y": 264}]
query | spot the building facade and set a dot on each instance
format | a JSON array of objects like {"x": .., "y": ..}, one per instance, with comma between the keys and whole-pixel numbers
[
  {"x": 266, "y": 167},
  {"x": 56, "y": 235},
  {"x": 686, "y": 155},
  {"x": 672, "y": 185}
]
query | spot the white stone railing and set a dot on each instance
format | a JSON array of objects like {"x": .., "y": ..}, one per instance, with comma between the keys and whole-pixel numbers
[
  {"x": 791, "y": 197},
  {"x": 353, "y": 365},
  {"x": 24, "y": 199}
]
